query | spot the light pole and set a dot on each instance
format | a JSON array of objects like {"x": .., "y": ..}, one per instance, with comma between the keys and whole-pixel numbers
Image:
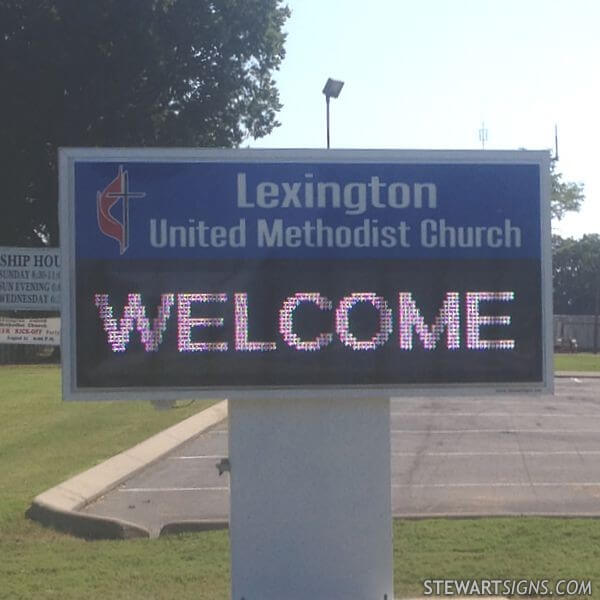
[{"x": 332, "y": 89}]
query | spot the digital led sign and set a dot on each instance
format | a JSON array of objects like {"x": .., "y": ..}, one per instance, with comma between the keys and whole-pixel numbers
[{"x": 313, "y": 273}]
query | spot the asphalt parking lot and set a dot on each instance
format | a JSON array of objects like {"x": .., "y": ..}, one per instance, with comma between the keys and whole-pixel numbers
[{"x": 451, "y": 456}]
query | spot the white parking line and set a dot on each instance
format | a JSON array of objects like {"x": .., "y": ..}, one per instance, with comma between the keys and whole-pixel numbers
[
  {"x": 483, "y": 430},
  {"x": 507, "y": 453},
  {"x": 507, "y": 484},
  {"x": 496, "y": 414},
  {"x": 502, "y": 430},
  {"x": 496, "y": 401},
  {"x": 176, "y": 489},
  {"x": 198, "y": 457}
]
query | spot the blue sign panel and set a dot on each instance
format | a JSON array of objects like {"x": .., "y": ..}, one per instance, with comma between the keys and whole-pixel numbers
[{"x": 304, "y": 272}]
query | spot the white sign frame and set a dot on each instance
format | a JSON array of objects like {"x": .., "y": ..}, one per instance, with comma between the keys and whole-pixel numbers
[{"x": 68, "y": 157}]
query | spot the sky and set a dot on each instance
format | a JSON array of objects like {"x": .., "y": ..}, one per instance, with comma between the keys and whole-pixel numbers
[{"x": 425, "y": 74}]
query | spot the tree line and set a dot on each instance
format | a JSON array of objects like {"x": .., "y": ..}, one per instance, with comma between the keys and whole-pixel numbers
[{"x": 576, "y": 275}]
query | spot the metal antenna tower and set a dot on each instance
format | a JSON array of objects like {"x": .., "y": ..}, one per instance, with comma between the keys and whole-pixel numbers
[
  {"x": 483, "y": 135},
  {"x": 555, "y": 157}
]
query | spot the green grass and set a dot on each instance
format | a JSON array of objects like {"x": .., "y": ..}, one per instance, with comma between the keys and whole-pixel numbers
[
  {"x": 43, "y": 441},
  {"x": 531, "y": 548},
  {"x": 577, "y": 362}
]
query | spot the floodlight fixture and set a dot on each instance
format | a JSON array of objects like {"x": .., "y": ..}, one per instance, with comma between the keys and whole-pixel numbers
[{"x": 332, "y": 89}]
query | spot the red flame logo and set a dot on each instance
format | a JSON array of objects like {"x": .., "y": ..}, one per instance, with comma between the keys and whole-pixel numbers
[{"x": 111, "y": 226}]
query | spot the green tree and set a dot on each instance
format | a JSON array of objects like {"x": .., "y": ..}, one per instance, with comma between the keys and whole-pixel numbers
[
  {"x": 576, "y": 277},
  {"x": 566, "y": 196},
  {"x": 125, "y": 73}
]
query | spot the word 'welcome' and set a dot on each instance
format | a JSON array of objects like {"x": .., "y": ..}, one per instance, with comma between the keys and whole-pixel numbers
[{"x": 410, "y": 322}]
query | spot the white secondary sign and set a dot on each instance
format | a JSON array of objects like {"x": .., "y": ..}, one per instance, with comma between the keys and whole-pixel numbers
[
  {"x": 40, "y": 332},
  {"x": 29, "y": 278}
]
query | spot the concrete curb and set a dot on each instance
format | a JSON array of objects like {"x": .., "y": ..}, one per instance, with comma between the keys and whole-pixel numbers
[
  {"x": 503, "y": 515},
  {"x": 59, "y": 506},
  {"x": 86, "y": 526},
  {"x": 192, "y": 526},
  {"x": 578, "y": 374}
]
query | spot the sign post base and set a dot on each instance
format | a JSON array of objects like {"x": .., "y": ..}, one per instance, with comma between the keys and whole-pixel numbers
[{"x": 310, "y": 499}]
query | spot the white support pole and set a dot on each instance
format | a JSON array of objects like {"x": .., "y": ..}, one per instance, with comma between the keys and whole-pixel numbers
[{"x": 310, "y": 499}]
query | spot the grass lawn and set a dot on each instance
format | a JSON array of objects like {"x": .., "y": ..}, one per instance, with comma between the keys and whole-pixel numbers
[
  {"x": 43, "y": 441},
  {"x": 582, "y": 361}
]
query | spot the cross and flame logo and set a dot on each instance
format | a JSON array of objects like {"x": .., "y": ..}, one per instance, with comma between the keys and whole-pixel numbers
[{"x": 116, "y": 227}]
